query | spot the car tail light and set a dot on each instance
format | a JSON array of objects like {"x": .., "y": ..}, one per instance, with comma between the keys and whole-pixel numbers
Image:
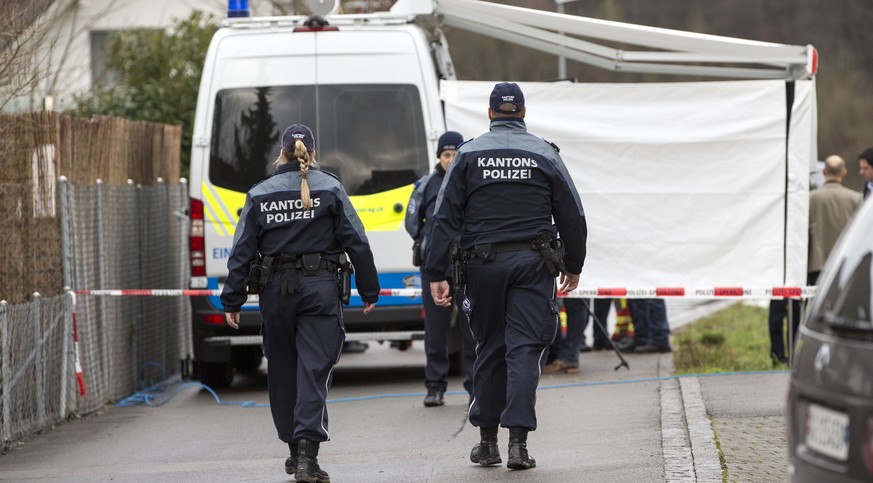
[
  {"x": 422, "y": 313},
  {"x": 212, "y": 319},
  {"x": 197, "y": 241},
  {"x": 867, "y": 447}
]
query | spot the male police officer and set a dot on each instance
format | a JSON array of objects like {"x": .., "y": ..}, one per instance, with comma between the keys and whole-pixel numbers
[
  {"x": 501, "y": 194},
  {"x": 437, "y": 320}
]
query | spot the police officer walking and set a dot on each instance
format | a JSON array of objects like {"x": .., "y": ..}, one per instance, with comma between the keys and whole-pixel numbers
[
  {"x": 289, "y": 247},
  {"x": 437, "y": 320},
  {"x": 501, "y": 194}
]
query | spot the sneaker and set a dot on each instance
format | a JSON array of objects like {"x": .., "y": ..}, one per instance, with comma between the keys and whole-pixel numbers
[
  {"x": 652, "y": 349},
  {"x": 558, "y": 366},
  {"x": 600, "y": 346},
  {"x": 584, "y": 348},
  {"x": 627, "y": 345},
  {"x": 778, "y": 361},
  {"x": 434, "y": 398}
]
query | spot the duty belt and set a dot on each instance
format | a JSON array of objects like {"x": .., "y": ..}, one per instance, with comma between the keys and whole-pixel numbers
[
  {"x": 550, "y": 250},
  {"x": 486, "y": 251},
  {"x": 287, "y": 265},
  {"x": 328, "y": 265}
]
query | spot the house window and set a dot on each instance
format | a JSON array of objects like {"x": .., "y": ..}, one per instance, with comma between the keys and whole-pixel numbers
[{"x": 100, "y": 73}]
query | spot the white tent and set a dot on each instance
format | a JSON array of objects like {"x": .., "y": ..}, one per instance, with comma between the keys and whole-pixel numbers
[{"x": 683, "y": 184}]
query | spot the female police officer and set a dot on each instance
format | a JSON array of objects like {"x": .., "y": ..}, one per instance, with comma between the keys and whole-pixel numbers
[{"x": 298, "y": 223}]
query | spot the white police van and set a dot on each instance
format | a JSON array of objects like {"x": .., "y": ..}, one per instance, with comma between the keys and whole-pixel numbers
[{"x": 368, "y": 86}]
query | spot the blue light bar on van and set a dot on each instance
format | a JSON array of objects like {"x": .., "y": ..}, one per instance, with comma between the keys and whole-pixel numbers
[{"x": 238, "y": 8}]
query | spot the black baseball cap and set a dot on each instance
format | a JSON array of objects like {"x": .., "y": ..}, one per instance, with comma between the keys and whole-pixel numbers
[
  {"x": 295, "y": 132},
  {"x": 507, "y": 93}
]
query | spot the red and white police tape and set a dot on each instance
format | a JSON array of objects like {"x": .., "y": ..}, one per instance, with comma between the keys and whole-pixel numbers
[
  {"x": 585, "y": 292},
  {"x": 80, "y": 378}
]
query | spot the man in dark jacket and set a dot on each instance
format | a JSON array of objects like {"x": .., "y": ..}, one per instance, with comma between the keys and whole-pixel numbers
[
  {"x": 437, "y": 320},
  {"x": 501, "y": 194}
]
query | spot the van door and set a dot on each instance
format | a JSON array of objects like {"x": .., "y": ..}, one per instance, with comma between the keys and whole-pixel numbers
[
  {"x": 373, "y": 121},
  {"x": 252, "y": 102}
]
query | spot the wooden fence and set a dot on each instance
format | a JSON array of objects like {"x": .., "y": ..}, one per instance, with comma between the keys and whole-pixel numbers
[{"x": 35, "y": 150}]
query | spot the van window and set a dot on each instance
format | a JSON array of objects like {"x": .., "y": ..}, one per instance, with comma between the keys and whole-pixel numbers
[{"x": 371, "y": 136}]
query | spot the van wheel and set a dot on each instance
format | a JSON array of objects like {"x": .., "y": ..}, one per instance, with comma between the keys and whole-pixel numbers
[
  {"x": 247, "y": 358},
  {"x": 216, "y": 374}
]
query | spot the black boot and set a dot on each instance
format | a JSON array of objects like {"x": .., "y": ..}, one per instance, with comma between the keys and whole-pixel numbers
[
  {"x": 434, "y": 398},
  {"x": 308, "y": 470},
  {"x": 291, "y": 461},
  {"x": 518, "y": 457},
  {"x": 486, "y": 452}
]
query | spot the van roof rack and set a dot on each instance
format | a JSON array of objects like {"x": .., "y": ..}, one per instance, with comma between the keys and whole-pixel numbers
[{"x": 358, "y": 19}]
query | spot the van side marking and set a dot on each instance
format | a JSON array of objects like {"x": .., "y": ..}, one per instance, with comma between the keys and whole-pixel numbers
[
  {"x": 214, "y": 203},
  {"x": 212, "y": 213},
  {"x": 376, "y": 211},
  {"x": 223, "y": 203}
]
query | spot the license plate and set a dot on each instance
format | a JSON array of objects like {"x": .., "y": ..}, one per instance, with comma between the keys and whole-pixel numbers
[{"x": 827, "y": 432}]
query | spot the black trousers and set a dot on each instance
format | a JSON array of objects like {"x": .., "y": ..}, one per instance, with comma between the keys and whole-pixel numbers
[
  {"x": 303, "y": 338},
  {"x": 514, "y": 317}
]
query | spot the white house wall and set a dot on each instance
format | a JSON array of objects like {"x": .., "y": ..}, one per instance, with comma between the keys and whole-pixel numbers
[{"x": 65, "y": 52}]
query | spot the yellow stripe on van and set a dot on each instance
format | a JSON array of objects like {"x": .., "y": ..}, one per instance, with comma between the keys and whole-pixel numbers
[
  {"x": 211, "y": 212},
  {"x": 379, "y": 211},
  {"x": 224, "y": 204}
]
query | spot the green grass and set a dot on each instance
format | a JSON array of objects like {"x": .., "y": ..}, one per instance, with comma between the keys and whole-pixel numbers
[{"x": 735, "y": 338}]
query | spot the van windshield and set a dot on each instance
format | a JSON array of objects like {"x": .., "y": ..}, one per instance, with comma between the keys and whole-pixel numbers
[{"x": 371, "y": 136}]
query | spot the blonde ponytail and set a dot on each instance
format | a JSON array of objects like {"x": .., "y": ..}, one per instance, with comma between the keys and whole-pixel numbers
[{"x": 304, "y": 159}]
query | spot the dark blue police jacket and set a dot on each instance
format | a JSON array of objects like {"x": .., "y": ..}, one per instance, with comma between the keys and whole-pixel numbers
[
  {"x": 506, "y": 186},
  {"x": 273, "y": 222}
]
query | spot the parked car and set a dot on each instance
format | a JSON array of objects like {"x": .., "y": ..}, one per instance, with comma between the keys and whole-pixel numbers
[{"x": 830, "y": 397}]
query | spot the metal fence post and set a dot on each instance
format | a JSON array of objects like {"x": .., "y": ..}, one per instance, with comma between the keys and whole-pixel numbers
[
  {"x": 185, "y": 341},
  {"x": 65, "y": 351},
  {"x": 102, "y": 320},
  {"x": 39, "y": 368},
  {"x": 5, "y": 373},
  {"x": 162, "y": 226},
  {"x": 133, "y": 213},
  {"x": 65, "y": 234}
]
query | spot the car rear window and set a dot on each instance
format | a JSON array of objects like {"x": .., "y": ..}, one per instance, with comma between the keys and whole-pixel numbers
[
  {"x": 843, "y": 300},
  {"x": 372, "y": 135}
]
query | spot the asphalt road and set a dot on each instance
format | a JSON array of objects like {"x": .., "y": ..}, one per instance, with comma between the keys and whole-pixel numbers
[
  {"x": 380, "y": 431},
  {"x": 599, "y": 425}
]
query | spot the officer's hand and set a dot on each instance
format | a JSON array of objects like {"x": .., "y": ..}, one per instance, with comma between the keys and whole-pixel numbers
[
  {"x": 441, "y": 293},
  {"x": 368, "y": 307},
  {"x": 569, "y": 282},
  {"x": 232, "y": 319}
]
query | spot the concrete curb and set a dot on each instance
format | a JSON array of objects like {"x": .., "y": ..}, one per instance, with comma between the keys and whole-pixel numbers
[
  {"x": 687, "y": 442},
  {"x": 706, "y": 462}
]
